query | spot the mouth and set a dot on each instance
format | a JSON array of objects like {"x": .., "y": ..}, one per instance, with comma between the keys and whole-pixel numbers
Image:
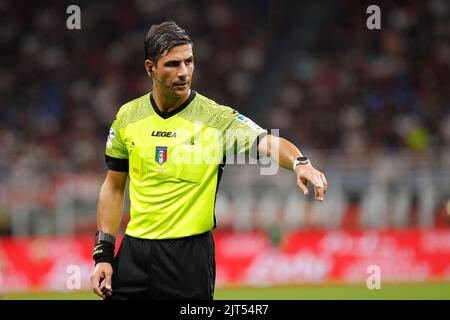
[{"x": 180, "y": 85}]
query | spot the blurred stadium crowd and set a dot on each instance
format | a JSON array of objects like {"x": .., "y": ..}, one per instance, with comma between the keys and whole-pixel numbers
[
  {"x": 382, "y": 89},
  {"x": 61, "y": 89},
  {"x": 348, "y": 90}
]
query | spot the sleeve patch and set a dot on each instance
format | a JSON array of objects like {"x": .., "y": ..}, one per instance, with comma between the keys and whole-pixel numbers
[
  {"x": 248, "y": 122},
  {"x": 109, "y": 141}
]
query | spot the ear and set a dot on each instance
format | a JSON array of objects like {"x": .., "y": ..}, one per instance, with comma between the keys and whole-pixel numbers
[{"x": 149, "y": 67}]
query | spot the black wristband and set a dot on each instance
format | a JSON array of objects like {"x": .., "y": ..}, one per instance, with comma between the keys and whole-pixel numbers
[{"x": 103, "y": 252}]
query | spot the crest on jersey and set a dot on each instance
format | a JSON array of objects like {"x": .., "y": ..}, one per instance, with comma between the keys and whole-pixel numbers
[{"x": 161, "y": 155}]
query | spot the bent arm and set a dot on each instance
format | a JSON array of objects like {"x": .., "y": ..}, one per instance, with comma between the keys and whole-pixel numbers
[
  {"x": 111, "y": 202},
  {"x": 280, "y": 150}
]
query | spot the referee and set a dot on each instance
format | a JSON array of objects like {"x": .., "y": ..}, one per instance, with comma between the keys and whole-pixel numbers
[{"x": 172, "y": 143}]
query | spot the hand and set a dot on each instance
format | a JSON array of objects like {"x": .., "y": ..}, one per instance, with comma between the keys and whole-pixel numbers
[
  {"x": 101, "y": 279},
  {"x": 307, "y": 173}
]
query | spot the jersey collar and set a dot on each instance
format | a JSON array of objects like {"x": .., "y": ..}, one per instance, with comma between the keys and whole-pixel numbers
[{"x": 166, "y": 115}]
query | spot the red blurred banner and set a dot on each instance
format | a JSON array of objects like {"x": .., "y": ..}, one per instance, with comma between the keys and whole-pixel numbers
[
  {"x": 315, "y": 257},
  {"x": 249, "y": 258}
]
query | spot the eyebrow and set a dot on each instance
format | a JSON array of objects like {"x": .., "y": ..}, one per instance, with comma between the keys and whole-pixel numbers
[{"x": 178, "y": 60}]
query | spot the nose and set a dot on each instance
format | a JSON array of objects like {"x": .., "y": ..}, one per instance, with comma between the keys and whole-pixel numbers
[{"x": 182, "y": 71}]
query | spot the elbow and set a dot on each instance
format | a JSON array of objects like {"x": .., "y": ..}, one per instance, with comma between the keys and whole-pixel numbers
[{"x": 265, "y": 146}]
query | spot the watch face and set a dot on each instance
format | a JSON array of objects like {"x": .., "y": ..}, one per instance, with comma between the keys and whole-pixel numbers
[{"x": 303, "y": 160}]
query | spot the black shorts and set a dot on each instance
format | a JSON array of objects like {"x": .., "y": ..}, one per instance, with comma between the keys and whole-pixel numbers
[{"x": 181, "y": 268}]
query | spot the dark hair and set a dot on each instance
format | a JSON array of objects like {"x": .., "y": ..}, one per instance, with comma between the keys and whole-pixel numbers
[{"x": 163, "y": 37}]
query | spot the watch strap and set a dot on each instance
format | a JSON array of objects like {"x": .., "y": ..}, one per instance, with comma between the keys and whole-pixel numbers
[
  {"x": 104, "y": 236},
  {"x": 301, "y": 160}
]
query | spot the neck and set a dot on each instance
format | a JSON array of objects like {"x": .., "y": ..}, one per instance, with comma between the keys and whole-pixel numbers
[{"x": 168, "y": 103}]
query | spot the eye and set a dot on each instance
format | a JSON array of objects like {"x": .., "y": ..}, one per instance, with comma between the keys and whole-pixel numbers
[{"x": 172, "y": 64}]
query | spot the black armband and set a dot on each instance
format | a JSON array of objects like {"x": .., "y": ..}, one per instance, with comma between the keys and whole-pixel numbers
[
  {"x": 104, "y": 248},
  {"x": 115, "y": 164}
]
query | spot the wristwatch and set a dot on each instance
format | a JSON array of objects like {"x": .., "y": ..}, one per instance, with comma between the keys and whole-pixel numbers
[
  {"x": 103, "y": 236},
  {"x": 302, "y": 161}
]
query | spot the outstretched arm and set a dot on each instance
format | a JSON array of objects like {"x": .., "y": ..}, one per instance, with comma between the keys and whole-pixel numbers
[{"x": 285, "y": 154}]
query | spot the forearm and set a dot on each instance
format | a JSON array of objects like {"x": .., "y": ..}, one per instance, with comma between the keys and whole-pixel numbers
[
  {"x": 280, "y": 150},
  {"x": 110, "y": 206}
]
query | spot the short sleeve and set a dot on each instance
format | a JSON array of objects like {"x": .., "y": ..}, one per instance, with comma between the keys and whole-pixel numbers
[
  {"x": 116, "y": 152},
  {"x": 243, "y": 135}
]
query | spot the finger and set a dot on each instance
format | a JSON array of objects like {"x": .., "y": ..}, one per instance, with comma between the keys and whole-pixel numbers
[
  {"x": 95, "y": 281},
  {"x": 302, "y": 186},
  {"x": 108, "y": 286},
  {"x": 318, "y": 188},
  {"x": 319, "y": 193},
  {"x": 324, "y": 181},
  {"x": 106, "y": 292}
]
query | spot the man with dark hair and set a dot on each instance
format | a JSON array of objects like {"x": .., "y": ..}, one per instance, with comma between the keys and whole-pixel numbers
[{"x": 173, "y": 142}]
